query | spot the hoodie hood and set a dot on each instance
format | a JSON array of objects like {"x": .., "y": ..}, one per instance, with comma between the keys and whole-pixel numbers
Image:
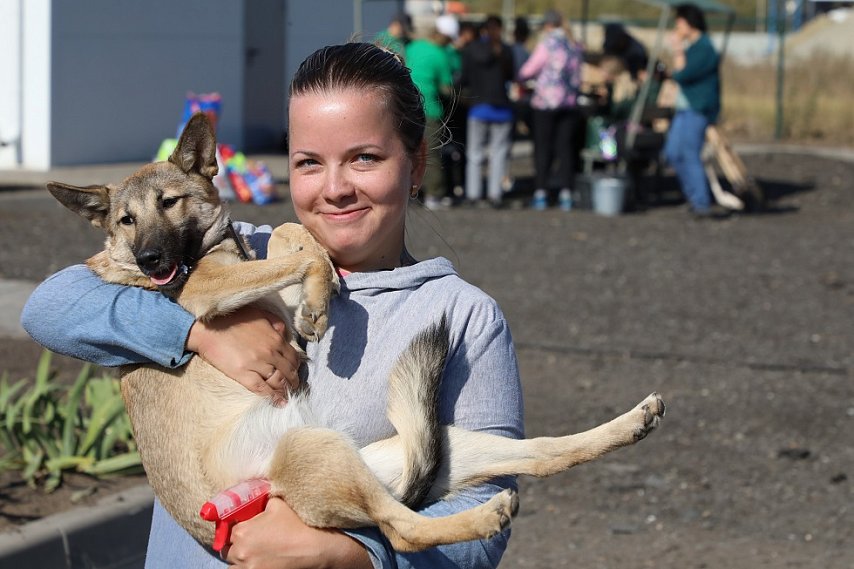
[{"x": 401, "y": 278}]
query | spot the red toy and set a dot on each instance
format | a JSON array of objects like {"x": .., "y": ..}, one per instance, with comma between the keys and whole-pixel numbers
[{"x": 239, "y": 503}]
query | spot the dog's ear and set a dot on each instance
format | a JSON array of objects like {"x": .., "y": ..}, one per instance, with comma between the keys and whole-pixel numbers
[
  {"x": 196, "y": 150},
  {"x": 91, "y": 202}
]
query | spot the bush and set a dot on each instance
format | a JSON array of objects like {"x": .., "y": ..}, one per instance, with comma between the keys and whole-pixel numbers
[{"x": 50, "y": 428}]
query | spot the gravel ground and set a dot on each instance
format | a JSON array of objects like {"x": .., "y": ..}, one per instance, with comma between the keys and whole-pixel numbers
[{"x": 744, "y": 325}]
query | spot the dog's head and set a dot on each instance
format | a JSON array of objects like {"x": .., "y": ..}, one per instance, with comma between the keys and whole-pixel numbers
[{"x": 164, "y": 217}]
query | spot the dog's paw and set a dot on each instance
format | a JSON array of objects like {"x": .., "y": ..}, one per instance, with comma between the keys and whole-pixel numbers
[
  {"x": 310, "y": 321},
  {"x": 651, "y": 409},
  {"x": 499, "y": 511}
]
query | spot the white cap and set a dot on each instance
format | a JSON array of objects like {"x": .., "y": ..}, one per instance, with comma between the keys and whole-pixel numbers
[{"x": 447, "y": 25}]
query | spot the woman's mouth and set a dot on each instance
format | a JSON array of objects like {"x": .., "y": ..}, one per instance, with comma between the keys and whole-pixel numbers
[{"x": 344, "y": 216}]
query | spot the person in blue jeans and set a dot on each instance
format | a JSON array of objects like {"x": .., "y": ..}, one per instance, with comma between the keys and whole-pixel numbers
[
  {"x": 357, "y": 158},
  {"x": 698, "y": 104}
]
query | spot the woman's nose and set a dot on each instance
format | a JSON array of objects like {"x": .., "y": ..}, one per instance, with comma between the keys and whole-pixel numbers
[{"x": 337, "y": 184}]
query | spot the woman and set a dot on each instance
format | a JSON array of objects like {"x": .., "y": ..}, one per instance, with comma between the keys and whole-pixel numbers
[
  {"x": 695, "y": 70},
  {"x": 357, "y": 157},
  {"x": 555, "y": 68}
]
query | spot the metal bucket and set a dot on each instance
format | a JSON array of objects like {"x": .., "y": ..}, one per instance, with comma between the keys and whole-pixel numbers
[{"x": 609, "y": 195}]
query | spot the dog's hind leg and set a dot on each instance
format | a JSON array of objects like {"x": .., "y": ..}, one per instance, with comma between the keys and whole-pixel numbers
[
  {"x": 473, "y": 457},
  {"x": 322, "y": 477}
]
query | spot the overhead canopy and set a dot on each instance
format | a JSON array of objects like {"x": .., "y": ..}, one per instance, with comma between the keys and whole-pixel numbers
[{"x": 704, "y": 5}]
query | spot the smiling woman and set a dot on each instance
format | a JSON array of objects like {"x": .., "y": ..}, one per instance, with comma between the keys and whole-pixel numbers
[
  {"x": 351, "y": 190},
  {"x": 357, "y": 153}
]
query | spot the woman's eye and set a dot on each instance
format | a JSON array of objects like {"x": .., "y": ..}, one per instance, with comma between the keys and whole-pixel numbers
[
  {"x": 169, "y": 202},
  {"x": 306, "y": 163},
  {"x": 366, "y": 158},
  {"x": 126, "y": 220}
]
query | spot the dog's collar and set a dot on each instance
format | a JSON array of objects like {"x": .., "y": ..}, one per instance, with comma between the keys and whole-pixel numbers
[{"x": 238, "y": 240}]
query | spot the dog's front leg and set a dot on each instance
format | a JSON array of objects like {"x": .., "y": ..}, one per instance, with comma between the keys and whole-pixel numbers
[
  {"x": 309, "y": 302},
  {"x": 216, "y": 288}
]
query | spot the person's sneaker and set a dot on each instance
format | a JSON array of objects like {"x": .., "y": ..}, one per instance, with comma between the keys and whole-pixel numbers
[
  {"x": 540, "y": 201},
  {"x": 565, "y": 200}
]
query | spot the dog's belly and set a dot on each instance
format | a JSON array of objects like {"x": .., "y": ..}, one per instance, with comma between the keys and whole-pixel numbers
[
  {"x": 249, "y": 449},
  {"x": 182, "y": 420}
]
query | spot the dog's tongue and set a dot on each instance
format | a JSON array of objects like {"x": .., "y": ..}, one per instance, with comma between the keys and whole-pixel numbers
[{"x": 162, "y": 280}]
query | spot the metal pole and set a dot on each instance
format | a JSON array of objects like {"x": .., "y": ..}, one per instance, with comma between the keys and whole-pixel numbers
[
  {"x": 640, "y": 102},
  {"x": 508, "y": 13},
  {"x": 585, "y": 16},
  {"x": 781, "y": 52},
  {"x": 357, "y": 19}
]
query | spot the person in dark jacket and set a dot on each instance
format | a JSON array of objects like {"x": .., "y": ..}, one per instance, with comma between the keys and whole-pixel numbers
[
  {"x": 695, "y": 70},
  {"x": 620, "y": 43},
  {"x": 487, "y": 70}
]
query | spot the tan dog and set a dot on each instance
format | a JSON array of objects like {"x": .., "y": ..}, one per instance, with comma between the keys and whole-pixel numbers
[{"x": 199, "y": 432}]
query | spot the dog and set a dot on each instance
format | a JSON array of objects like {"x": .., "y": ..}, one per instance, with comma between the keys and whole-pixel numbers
[{"x": 199, "y": 432}]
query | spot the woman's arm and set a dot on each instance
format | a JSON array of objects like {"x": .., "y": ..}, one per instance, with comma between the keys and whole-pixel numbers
[
  {"x": 534, "y": 64},
  {"x": 77, "y": 314},
  {"x": 698, "y": 62}
]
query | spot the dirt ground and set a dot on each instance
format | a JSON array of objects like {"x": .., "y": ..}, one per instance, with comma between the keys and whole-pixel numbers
[{"x": 744, "y": 325}]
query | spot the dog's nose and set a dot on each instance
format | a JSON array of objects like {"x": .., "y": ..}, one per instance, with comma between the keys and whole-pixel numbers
[{"x": 149, "y": 259}]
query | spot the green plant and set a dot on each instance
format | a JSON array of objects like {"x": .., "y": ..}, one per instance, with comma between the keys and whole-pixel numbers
[{"x": 47, "y": 428}]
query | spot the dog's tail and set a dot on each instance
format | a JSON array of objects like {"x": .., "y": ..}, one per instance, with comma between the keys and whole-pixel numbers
[{"x": 413, "y": 409}]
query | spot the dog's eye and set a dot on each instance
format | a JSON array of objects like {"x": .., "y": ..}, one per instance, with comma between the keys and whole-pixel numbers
[
  {"x": 169, "y": 202},
  {"x": 127, "y": 220}
]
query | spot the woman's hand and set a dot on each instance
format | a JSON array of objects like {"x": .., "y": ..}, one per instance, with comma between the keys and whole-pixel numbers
[
  {"x": 248, "y": 346},
  {"x": 278, "y": 539}
]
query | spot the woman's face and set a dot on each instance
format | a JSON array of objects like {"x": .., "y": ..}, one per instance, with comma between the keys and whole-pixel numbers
[
  {"x": 350, "y": 176},
  {"x": 682, "y": 29}
]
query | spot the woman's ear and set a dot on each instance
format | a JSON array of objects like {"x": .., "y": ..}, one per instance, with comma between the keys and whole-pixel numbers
[{"x": 419, "y": 164}]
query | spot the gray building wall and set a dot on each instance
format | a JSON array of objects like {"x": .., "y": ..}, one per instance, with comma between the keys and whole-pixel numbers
[{"x": 120, "y": 70}]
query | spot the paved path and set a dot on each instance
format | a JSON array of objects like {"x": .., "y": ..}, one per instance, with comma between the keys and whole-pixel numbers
[{"x": 13, "y": 295}]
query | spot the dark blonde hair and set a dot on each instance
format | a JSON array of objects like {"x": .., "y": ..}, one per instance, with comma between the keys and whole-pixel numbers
[{"x": 367, "y": 67}]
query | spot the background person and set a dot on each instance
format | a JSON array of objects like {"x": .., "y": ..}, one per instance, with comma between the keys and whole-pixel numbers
[
  {"x": 698, "y": 104},
  {"x": 620, "y": 43},
  {"x": 487, "y": 72},
  {"x": 357, "y": 156},
  {"x": 397, "y": 34},
  {"x": 432, "y": 73},
  {"x": 555, "y": 68},
  {"x": 456, "y": 116}
]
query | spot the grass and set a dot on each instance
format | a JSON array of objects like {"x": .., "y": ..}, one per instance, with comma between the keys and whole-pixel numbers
[
  {"x": 48, "y": 428},
  {"x": 816, "y": 107}
]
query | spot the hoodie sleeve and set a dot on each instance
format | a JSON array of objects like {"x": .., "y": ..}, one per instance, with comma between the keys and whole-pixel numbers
[{"x": 76, "y": 314}]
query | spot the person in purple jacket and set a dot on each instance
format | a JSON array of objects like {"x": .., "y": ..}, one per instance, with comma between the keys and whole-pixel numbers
[
  {"x": 555, "y": 68},
  {"x": 357, "y": 159}
]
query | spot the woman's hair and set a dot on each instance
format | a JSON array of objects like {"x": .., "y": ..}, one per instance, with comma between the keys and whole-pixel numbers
[
  {"x": 366, "y": 67},
  {"x": 693, "y": 15}
]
